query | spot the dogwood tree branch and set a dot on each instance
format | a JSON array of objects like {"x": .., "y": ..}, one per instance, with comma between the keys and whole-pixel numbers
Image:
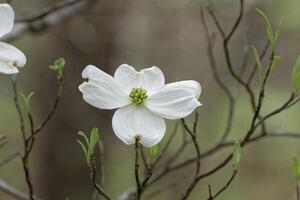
[
  {"x": 212, "y": 197},
  {"x": 217, "y": 77},
  {"x": 136, "y": 169},
  {"x": 193, "y": 135},
  {"x": 93, "y": 174},
  {"x": 47, "y": 17}
]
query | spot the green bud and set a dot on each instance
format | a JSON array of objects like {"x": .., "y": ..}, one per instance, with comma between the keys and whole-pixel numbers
[
  {"x": 58, "y": 67},
  {"x": 237, "y": 155},
  {"x": 296, "y": 168},
  {"x": 296, "y": 74},
  {"x": 154, "y": 151},
  {"x": 26, "y": 100}
]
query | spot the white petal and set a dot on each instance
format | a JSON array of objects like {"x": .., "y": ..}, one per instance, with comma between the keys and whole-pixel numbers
[
  {"x": 6, "y": 69},
  {"x": 137, "y": 121},
  {"x": 101, "y": 90},
  {"x": 7, "y": 18},
  {"x": 11, "y": 55},
  {"x": 151, "y": 79},
  {"x": 175, "y": 100}
]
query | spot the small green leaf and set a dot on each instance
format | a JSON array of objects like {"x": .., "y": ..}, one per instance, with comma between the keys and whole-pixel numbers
[
  {"x": 83, "y": 149},
  {"x": 276, "y": 59},
  {"x": 26, "y": 100},
  {"x": 85, "y": 137},
  {"x": 258, "y": 64},
  {"x": 237, "y": 155},
  {"x": 296, "y": 168},
  {"x": 94, "y": 138},
  {"x": 154, "y": 151},
  {"x": 269, "y": 30},
  {"x": 296, "y": 74},
  {"x": 276, "y": 36}
]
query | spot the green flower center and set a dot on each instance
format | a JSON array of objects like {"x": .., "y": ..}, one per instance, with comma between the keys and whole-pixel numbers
[{"x": 138, "y": 95}]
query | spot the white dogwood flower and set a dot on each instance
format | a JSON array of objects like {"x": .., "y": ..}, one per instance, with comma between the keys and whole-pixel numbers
[
  {"x": 142, "y": 98},
  {"x": 10, "y": 57}
]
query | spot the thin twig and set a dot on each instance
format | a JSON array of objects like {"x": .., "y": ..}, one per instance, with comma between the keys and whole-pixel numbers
[
  {"x": 136, "y": 169},
  {"x": 93, "y": 173},
  {"x": 24, "y": 158},
  {"x": 216, "y": 75},
  {"x": 212, "y": 197},
  {"x": 198, "y": 163},
  {"x": 9, "y": 158},
  {"x": 169, "y": 141},
  {"x": 47, "y": 17}
]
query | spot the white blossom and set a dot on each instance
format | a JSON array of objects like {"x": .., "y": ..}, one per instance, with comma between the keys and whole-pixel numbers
[
  {"x": 10, "y": 56},
  {"x": 142, "y": 100}
]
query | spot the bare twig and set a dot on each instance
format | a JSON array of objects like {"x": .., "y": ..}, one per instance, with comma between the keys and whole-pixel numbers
[
  {"x": 212, "y": 197},
  {"x": 9, "y": 158},
  {"x": 216, "y": 75},
  {"x": 93, "y": 174},
  {"x": 48, "y": 17},
  {"x": 169, "y": 141},
  {"x": 136, "y": 169},
  {"x": 198, "y": 163}
]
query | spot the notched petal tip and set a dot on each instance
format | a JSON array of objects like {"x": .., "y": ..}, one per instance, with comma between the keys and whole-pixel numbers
[{"x": 88, "y": 70}]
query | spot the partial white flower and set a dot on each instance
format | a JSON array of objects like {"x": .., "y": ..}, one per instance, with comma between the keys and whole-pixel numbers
[
  {"x": 10, "y": 57},
  {"x": 142, "y": 98}
]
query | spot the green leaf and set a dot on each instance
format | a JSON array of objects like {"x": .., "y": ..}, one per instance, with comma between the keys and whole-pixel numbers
[
  {"x": 296, "y": 168},
  {"x": 237, "y": 155},
  {"x": 296, "y": 74},
  {"x": 26, "y": 100},
  {"x": 83, "y": 149},
  {"x": 276, "y": 59},
  {"x": 269, "y": 30},
  {"x": 276, "y": 36},
  {"x": 154, "y": 151},
  {"x": 94, "y": 138},
  {"x": 258, "y": 64},
  {"x": 85, "y": 137}
]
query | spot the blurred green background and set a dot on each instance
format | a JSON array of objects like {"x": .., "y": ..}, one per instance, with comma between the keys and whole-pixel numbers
[{"x": 168, "y": 34}]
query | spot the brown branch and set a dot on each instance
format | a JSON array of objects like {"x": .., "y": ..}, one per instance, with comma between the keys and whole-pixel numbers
[
  {"x": 48, "y": 17},
  {"x": 198, "y": 163},
  {"x": 93, "y": 174},
  {"x": 169, "y": 141},
  {"x": 232, "y": 177},
  {"x": 136, "y": 169},
  {"x": 9, "y": 158},
  {"x": 216, "y": 75}
]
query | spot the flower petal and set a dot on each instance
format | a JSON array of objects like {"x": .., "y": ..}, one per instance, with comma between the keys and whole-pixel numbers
[
  {"x": 11, "y": 55},
  {"x": 175, "y": 100},
  {"x": 7, "y": 17},
  {"x": 6, "y": 69},
  {"x": 137, "y": 121},
  {"x": 101, "y": 90},
  {"x": 151, "y": 79}
]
